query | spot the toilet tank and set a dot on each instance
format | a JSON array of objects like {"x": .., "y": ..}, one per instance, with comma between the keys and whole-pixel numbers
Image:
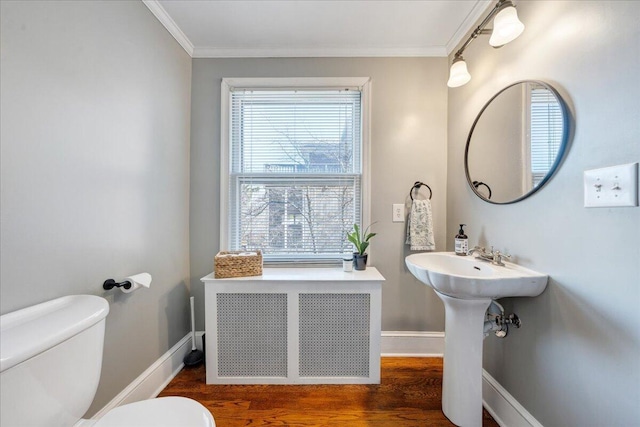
[{"x": 50, "y": 361}]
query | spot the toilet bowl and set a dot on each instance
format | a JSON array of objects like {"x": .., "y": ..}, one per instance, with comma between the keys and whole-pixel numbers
[
  {"x": 50, "y": 362},
  {"x": 159, "y": 412}
]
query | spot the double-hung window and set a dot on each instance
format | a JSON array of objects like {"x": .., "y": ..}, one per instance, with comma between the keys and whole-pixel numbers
[{"x": 294, "y": 166}]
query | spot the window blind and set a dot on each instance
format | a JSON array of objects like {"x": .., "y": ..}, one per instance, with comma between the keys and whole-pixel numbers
[
  {"x": 546, "y": 132},
  {"x": 295, "y": 172}
]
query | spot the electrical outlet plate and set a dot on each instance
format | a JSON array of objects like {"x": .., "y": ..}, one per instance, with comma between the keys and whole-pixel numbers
[
  {"x": 612, "y": 186},
  {"x": 398, "y": 212}
]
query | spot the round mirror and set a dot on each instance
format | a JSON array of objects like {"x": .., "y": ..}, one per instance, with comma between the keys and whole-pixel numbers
[{"x": 517, "y": 142}]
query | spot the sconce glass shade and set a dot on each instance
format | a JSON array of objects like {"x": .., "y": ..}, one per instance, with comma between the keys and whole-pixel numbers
[
  {"x": 506, "y": 27},
  {"x": 458, "y": 74}
]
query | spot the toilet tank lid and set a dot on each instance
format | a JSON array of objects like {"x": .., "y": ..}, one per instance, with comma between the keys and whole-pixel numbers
[{"x": 30, "y": 331}]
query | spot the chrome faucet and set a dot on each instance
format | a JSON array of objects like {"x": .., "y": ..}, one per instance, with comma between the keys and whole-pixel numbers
[
  {"x": 475, "y": 249},
  {"x": 482, "y": 253},
  {"x": 494, "y": 257},
  {"x": 497, "y": 258}
]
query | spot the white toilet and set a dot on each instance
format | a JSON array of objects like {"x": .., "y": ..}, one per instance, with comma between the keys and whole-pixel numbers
[{"x": 50, "y": 362}]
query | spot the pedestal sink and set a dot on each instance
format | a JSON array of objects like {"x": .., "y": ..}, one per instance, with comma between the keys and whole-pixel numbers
[{"x": 467, "y": 285}]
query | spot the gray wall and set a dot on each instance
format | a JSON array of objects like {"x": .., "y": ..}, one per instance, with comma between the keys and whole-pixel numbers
[
  {"x": 95, "y": 170},
  {"x": 408, "y": 143},
  {"x": 575, "y": 361}
]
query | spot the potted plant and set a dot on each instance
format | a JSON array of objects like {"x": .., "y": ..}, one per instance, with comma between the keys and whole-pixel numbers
[{"x": 361, "y": 243}]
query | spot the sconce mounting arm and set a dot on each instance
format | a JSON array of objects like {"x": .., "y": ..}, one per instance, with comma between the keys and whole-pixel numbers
[{"x": 480, "y": 29}]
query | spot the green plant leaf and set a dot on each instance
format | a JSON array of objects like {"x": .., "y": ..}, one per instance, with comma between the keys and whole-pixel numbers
[
  {"x": 360, "y": 240},
  {"x": 357, "y": 233}
]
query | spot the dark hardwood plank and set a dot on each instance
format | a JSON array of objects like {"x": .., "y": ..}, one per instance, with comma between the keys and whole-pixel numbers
[{"x": 410, "y": 394}]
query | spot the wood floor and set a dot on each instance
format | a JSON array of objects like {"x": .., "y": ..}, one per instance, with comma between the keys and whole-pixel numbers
[{"x": 409, "y": 395}]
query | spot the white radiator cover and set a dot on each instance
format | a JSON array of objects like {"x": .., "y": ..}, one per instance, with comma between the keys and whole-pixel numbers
[{"x": 294, "y": 326}]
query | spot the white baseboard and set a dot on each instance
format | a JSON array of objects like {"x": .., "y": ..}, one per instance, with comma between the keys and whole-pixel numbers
[
  {"x": 502, "y": 406},
  {"x": 412, "y": 344},
  {"x": 153, "y": 380}
]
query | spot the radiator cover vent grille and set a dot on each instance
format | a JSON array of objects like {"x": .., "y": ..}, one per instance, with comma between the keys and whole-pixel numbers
[
  {"x": 252, "y": 335},
  {"x": 334, "y": 335}
]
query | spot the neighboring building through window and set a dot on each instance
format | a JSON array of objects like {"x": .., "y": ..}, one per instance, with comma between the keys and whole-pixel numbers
[{"x": 295, "y": 169}]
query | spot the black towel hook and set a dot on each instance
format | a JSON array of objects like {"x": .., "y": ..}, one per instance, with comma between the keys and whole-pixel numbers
[
  {"x": 417, "y": 186},
  {"x": 477, "y": 184}
]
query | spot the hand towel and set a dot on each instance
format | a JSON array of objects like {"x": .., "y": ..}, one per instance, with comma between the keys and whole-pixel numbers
[{"x": 420, "y": 226}]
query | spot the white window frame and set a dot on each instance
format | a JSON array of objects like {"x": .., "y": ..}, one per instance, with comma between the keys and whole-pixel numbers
[
  {"x": 527, "y": 176},
  {"x": 528, "y": 184},
  {"x": 226, "y": 86}
]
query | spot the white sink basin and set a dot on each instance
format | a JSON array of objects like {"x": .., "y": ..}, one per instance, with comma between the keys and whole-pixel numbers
[
  {"x": 466, "y": 277},
  {"x": 466, "y": 286}
]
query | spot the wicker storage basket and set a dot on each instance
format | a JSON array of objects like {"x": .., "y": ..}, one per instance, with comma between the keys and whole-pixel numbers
[{"x": 233, "y": 264}]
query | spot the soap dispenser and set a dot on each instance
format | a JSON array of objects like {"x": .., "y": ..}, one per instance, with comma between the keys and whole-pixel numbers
[{"x": 462, "y": 242}]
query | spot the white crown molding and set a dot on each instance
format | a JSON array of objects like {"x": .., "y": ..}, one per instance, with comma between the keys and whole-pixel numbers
[
  {"x": 216, "y": 52},
  {"x": 478, "y": 10},
  {"x": 165, "y": 19},
  {"x": 159, "y": 12}
]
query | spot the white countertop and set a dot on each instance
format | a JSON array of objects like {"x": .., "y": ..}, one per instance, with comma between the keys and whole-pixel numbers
[{"x": 299, "y": 274}]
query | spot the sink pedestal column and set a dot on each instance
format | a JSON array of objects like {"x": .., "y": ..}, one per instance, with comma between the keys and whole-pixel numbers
[{"x": 462, "y": 376}]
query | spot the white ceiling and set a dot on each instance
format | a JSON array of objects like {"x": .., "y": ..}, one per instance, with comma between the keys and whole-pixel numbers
[{"x": 317, "y": 28}]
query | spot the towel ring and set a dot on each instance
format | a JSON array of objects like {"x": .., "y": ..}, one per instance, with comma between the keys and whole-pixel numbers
[
  {"x": 477, "y": 184},
  {"x": 417, "y": 186}
]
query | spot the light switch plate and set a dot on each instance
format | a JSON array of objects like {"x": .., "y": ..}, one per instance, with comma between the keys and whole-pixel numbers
[
  {"x": 398, "y": 212},
  {"x": 612, "y": 186}
]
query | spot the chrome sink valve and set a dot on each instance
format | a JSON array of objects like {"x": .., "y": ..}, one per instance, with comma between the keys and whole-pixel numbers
[
  {"x": 498, "y": 322},
  {"x": 498, "y": 257}
]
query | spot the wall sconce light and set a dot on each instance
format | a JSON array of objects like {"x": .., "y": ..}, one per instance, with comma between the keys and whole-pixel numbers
[
  {"x": 458, "y": 74},
  {"x": 506, "y": 28}
]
